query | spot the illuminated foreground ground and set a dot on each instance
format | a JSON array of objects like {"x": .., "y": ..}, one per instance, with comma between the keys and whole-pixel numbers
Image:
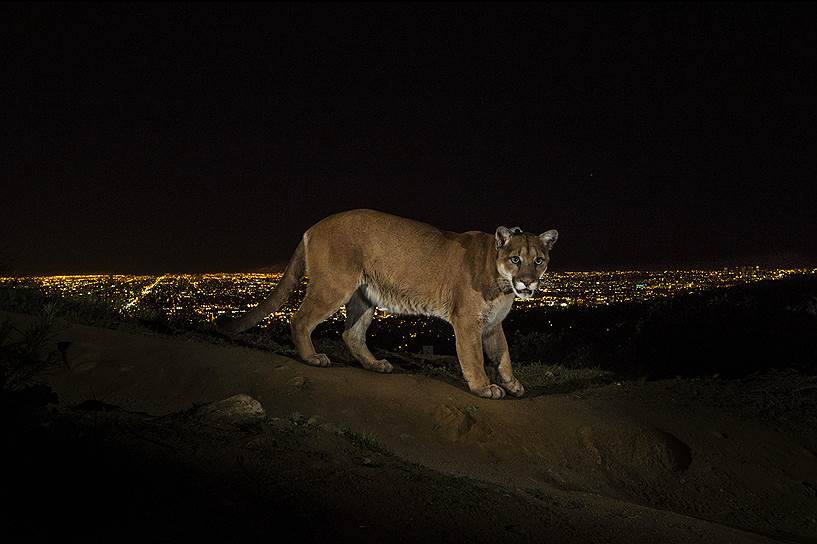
[{"x": 362, "y": 457}]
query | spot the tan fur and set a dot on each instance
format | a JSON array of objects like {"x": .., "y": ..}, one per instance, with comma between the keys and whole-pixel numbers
[{"x": 366, "y": 259}]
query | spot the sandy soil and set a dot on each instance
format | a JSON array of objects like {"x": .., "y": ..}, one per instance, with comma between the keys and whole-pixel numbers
[{"x": 409, "y": 456}]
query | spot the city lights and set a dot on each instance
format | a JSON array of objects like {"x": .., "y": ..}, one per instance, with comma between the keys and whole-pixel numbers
[{"x": 204, "y": 297}]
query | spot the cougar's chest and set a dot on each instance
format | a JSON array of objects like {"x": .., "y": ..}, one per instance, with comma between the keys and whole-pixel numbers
[{"x": 496, "y": 310}]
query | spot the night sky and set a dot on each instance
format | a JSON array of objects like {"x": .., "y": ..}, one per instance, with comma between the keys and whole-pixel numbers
[{"x": 188, "y": 138}]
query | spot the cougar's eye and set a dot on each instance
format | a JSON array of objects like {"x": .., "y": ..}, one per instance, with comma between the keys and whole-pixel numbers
[
  {"x": 538, "y": 261},
  {"x": 516, "y": 260}
]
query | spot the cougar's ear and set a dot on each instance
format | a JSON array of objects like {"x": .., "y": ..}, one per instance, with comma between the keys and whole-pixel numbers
[
  {"x": 502, "y": 236},
  {"x": 549, "y": 238}
]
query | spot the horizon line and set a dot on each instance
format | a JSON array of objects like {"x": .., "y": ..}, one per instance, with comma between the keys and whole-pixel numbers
[{"x": 803, "y": 268}]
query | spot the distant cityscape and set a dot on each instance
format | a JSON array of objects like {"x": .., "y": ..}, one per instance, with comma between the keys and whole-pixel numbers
[{"x": 203, "y": 297}]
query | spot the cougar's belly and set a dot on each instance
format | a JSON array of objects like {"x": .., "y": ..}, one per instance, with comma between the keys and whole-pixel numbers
[{"x": 398, "y": 300}]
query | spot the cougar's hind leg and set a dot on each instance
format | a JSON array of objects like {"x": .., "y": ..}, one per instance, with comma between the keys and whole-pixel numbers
[
  {"x": 359, "y": 314},
  {"x": 321, "y": 301}
]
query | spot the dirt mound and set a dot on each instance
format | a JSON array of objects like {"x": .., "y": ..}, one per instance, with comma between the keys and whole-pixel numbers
[
  {"x": 649, "y": 450},
  {"x": 461, "y": 425}
]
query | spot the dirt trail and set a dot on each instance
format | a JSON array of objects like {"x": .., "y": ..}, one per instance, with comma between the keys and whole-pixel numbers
[{"x": 606, "y": 447}]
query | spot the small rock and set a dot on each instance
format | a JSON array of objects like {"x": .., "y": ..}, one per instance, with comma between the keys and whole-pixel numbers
[
  {"x": 368, "y": 462},
  {"x": 238, "y": 408},
  {"x": 329, "y": 427},
  {"x": 298, "y": 381}
]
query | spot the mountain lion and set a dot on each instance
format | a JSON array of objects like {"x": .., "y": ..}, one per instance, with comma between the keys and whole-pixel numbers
[{"x": 366, "y": 259}]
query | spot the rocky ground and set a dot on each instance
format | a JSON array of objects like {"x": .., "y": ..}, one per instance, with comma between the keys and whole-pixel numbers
[{"x": 167, "y": 437}]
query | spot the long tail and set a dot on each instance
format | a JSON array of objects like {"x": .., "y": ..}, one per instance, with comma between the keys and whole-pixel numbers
[{"x": 289, "y": 281}]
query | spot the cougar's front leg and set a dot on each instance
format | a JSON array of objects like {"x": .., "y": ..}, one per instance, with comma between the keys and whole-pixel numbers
[
  {"x": 469, "y": 352},
  {"x": 496, "y": 347}
]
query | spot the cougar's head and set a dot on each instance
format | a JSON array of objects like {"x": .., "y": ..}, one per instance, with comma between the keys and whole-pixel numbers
[{"x": 523, "y": 257}]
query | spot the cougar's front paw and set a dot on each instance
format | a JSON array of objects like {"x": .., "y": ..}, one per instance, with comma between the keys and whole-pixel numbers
[
  {"x": 382, "y": 365},
  {"x": 378, "y": 365},
  {"x": 318, "y": 359},
  {"x": 514, "y": 387},
  {"x": 492, "y": 391}
]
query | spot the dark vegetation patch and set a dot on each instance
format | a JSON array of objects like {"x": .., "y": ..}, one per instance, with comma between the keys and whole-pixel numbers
[{"x": 732, "y": 332}]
